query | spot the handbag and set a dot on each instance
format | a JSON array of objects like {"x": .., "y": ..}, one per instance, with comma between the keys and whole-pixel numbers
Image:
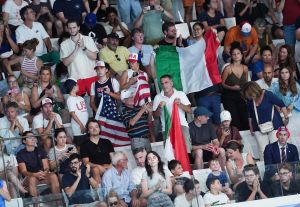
[{"x": 267, "y": 126}]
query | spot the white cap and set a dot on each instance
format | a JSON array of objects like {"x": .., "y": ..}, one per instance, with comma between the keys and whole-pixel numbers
[
  {"x": 126, "y": 94},
  {"x": 46, "y": 101},
  {"x": 225, "y": 116}
]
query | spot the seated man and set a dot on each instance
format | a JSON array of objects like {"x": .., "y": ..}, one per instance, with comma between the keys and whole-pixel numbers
[
  {"x": 77, "y": 182},
  {"x": 266, "y": 60},
  {"x": 46, "y": 121},
  {"x": 252, "y": 188},
  {"x": 114, "y": 55},
  {"x": 268, "y": 78},
  {"x": 205, "y": 143},
  {"x": 34, "y": 166},
  {"x": 287, "y": 184},
  {"x": 192, "y": 196},
  {"x": 96, "y": 151},
  {"x": 140, "y": 157},
  {"x": 13, "y": 125},
  {"x": 118, "y": 178}
]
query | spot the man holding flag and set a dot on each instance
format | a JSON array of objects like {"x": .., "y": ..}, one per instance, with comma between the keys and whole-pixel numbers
[{"x": 166, "y": 98}]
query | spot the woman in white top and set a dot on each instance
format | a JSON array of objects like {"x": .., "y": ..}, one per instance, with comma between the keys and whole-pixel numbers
[
  {"x": 156, "y": 183},
  {"x": 236, "y": 162},
  {"x": 59, "y": 156}
]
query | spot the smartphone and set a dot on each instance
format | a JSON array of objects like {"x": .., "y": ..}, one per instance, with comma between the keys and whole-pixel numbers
[
  {"x": 135, "y": 74},
  {"x": 70, "y": 149}
]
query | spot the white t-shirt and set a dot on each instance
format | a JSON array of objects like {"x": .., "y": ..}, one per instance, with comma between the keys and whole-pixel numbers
[
  {"x": 77, "y": 104},
  {"x": 115, "y": 85},
  {"x": 37, "y": 31},
  {"x": 155, "y": 178},
  {"x": 13, "y": 11},
  {"x": 214, "y": 200},
  {"x": 109, "y": 29},
  {"x": 169, "y": 104},
  {"x": 82, "y": 66},
  {"x": 180, "y": 201},
  {"x": 9, "y": 160},
  {"x": 40, "y": 122},
  {"x": 261, "y": 82},
  {"x": 137, "y": 175}
]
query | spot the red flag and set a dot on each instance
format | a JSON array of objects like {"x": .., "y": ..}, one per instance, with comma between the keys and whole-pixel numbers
[{"x": 178, "y": 141}]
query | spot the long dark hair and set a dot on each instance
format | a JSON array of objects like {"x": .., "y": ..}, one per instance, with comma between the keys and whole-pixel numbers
[
  {"x": 290, "y": 61},
  {"x": 160, "y": 165},
  {"x": 236, "y": 45},
  {"x": 292, "y": 85}
]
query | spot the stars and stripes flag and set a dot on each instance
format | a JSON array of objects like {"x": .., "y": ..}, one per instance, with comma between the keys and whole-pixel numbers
[
  {"x": 142, "y": 93},
  {"x": 111, "y": 122}
]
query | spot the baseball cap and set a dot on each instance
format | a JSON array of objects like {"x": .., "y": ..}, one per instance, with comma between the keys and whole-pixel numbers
[
  {"x": 202, "y": 111},
  {"x": 126, "y": 94},
  {"x": 245, "y": 28},
  {"x": 133, "y": 57},
  {"x": 90, "y": 20},
  {"x": 225, "y": 116},
  {"x": 46, "y": 101},
  {"x": 99, "y": 63},
  {"x": 70, "y": 84},
  {"x": 113, "y": 35},
  {"x": 283, "y": 129}
]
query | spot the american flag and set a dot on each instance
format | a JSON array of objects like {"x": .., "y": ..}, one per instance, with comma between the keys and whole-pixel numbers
[
  {"x": 142, "y": 93},
  {"x": 111, "y": 122}
]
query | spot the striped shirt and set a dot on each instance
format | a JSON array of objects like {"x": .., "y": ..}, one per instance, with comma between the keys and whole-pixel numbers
[
  {"x": 141, "y": 127},
  {"x": 29, "y": 65}
]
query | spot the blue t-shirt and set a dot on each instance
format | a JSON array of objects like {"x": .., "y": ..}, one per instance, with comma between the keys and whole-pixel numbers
[
  {"x": 222, "y": 177},
  {"x": 211, "y": 21},
  {"x": 2, "y": 201},
  {"x": 72, "y": 9},
  {"x": 82, "y": 194},
  {"x": 257, "y": 68}
]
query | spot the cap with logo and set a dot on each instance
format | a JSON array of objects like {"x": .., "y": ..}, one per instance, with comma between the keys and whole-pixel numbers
[
  {"x": 46, "y": 101},
  {"x": 133, "y": 57},
  {"x": 245, "y": 28}
]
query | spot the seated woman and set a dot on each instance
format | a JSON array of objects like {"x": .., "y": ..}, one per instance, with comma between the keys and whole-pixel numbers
[
  {"x": 236, "y": 162},
  {"x": 262, "y": 108},
  {"x": 198, "y": 29},
  {"x": 156, "y": 184},
  {"x": 62, "y": 152},
  {"x": 286, "y": 59},
  {"x": 44, "y": 89},
  {"x": 14, "y": 94},
  {"x": 30, "y": 65},
  {"x": 288, "y": 90},
  {"x": 212, "y": 18}
]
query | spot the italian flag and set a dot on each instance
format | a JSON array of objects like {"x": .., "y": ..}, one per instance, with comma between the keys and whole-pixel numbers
[
  {"x": 175, "y": 147},
  {"x": 193, "y": 68}
]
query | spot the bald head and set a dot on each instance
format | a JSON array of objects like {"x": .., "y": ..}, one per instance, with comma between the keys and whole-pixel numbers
[{"x": 268, "y": 74}]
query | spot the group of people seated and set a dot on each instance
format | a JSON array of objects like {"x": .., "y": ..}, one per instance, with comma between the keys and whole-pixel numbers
[{"x": 101, "y": 79}]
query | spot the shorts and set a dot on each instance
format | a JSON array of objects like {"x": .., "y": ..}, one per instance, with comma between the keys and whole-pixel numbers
[
  {"x": 206, "y": 156},
  {"x": 78, "y": 140},
  {"x": 84, "y": 85},
  {"x": 189, "y": 3}
]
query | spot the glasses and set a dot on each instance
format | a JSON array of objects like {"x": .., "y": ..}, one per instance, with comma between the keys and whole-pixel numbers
[
  {"x": 117, "y": 56},
  {"x": 114, "y": 203},
  {"x": 12, "y": 81},
  {"x": 74, "y": 163},
  {"x": 283, "y": 173}
]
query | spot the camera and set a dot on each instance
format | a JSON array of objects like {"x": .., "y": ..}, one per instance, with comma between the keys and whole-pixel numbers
[{"x": 150, "y": 7}]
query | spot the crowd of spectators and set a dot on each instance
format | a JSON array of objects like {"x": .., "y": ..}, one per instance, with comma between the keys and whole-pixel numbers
[{"x": 91, "y": 66}]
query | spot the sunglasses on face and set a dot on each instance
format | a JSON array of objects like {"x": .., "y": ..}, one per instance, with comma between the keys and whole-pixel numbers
[{"x": 113, "y": 203}]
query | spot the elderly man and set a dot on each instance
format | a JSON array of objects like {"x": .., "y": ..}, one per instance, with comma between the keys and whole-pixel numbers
[
  {"x": 11, "y": 126},
  {"x": 118, "y": 178},
  {"x": 205, "y": 143},
  {"x": 116, "y": 56},
  {"x": 45, "y": 122}
]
